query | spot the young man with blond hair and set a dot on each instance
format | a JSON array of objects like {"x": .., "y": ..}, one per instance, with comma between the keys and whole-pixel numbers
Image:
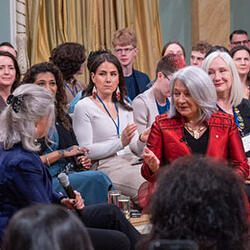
[{"x": 125, "y": 49}]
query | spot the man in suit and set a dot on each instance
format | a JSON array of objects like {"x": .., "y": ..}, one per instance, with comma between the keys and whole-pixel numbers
[{"x": 125, "y": 49}]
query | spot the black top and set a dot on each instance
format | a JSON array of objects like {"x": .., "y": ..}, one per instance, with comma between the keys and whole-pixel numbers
[
  {"x": 244, "y": 108},
  {"x": 197, "y": 146}
]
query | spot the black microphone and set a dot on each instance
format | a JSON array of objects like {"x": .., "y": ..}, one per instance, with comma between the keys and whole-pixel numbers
[{"x": 64, "y": 181}]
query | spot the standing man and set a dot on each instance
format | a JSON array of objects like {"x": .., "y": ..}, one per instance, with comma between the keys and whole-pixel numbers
[
  {"x": 238, "y": 37},
  {"x": 125, "y": 49},
  {"x": 198, "y": 53}
]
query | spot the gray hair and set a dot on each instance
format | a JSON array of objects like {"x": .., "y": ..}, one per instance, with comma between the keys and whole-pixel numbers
[
  {"x": 19, "y": 126},
  {"x": 200, "y": 87},
  {"x": 236, "y": 93}
]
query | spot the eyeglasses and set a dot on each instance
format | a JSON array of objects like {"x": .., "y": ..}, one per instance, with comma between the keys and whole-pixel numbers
[
  {"x": 126, "y": 50},
  {"x": 168, "y": 76},
  {"x": 244, "y": 42}
]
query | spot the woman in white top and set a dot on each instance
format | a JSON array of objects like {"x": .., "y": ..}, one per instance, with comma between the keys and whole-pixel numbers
[{"x": 103, "y": 122}]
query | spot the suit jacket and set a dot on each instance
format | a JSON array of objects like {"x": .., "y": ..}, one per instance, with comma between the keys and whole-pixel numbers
[
  {"x": 166, "y": 141},
  {"x": 145, "y": 110},
  {"x": 24, "y": 181},
  {"x": 142, "y": 80}
]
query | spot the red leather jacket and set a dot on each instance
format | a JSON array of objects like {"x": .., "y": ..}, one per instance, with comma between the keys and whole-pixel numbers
[{"x": 167, "y": 143}]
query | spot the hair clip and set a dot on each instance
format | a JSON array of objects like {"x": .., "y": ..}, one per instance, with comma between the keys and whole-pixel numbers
[{"x": 15, "y": 102}]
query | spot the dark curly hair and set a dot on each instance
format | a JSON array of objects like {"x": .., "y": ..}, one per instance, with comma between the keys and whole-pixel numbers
[
  {"x": 68, "y": 57},
  {"x": 108, "y": 57},
  {"x": 200, "y": 199},
  {"x": 61, "y": 100},
  {"x": 16, "y": 83}
]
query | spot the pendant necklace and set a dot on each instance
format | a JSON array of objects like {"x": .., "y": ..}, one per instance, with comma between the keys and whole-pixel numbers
[{"x": 196, "y": 132}]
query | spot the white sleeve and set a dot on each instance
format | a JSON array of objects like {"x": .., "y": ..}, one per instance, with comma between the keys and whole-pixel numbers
[
  {"x": 140, "y": 112},
  {"x": 136, "y": 146},
  {"x": 84, "y": 134}
]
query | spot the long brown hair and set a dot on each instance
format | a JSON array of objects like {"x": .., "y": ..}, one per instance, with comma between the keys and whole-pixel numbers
[{"x": 108, "y": 57}]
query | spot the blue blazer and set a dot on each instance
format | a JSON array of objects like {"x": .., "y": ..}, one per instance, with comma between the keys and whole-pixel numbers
[
  {"x": 142, "y": 80},
  {"x": 24, "y": 181}
]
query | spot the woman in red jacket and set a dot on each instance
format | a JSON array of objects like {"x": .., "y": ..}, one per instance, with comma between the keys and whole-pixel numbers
[{"x": 194, "y": 127}]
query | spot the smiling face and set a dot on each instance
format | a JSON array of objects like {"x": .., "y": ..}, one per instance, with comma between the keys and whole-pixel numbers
[
  {"x": 221, "y": 76},
  {"x": 48, "y": 81},
  {"x": 184, "y": 103},
  {"x": 7, "y": 72},
  {"x": 242, "y": 62},
  {"x": 125, "y": 54},
  {"x": 106, "y": 79}
]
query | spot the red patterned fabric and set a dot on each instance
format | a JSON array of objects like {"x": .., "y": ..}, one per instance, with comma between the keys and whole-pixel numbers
[{"x": 167, "y": 143}]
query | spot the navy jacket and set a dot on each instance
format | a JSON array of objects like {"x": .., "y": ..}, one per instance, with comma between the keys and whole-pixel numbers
[{"x": 24, "y": 181}]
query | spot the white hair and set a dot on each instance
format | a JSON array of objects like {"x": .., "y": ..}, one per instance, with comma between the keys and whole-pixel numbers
[
  {"x": 19, "y": 127},
  {"x": 200, "y": 87},
  {"x": 236, "y": 93}
]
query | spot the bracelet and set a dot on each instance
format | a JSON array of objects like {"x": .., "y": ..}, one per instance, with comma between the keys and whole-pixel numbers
[
  {"x": 61, "y": 152},
  {"x": 47, "y": 162}
]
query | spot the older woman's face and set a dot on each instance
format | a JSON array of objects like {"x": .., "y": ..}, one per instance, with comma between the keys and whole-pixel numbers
[
  {"x": 242, "y": 61},
  {"x": 106, "y": 79},
  {"x": 183, "y": 102},
  {"x": 7, "y": 71},
  {"x": 221, "y": 76},
  {"x": 48, "y": 81}
]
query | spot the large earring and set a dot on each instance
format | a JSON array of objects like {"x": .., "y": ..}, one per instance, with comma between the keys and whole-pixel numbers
[
  {"x": 118, "y": 94},
  {"x": 94, "y": 92}
]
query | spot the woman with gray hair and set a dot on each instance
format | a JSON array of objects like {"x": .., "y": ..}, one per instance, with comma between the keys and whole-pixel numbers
[
  {"x": 194, "y": 127},
  {"x": 25, "y": 180},
  {"x": 223, "y": 72}
]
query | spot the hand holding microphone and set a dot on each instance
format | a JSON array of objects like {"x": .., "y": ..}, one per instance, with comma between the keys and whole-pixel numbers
[{"x": 75, "y": 200}]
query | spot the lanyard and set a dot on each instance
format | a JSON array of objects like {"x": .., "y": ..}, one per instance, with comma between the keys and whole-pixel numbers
[
  {"x": 71, "y": 90},
  {"x": 239, "y": 120},
  {"x": 118, "y": 120}
]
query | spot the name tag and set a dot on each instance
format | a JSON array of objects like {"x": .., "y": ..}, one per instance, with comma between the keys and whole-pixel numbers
[{"x": 246, "y": 142}]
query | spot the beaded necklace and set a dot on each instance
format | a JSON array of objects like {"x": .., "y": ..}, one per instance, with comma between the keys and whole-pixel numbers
[{"x": 239, "y": 120}]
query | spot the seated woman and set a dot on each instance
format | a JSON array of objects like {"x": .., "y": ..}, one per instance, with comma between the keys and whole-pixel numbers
[
  {"x": 104, "y": 124},
  {"x": 223, "y": 73},
  {"x": 63, "y": 154},
  {"x": 10, "y": 69},
  {"x": 194, "y": 126},
  {"x": 33, "y": 227},
  {"x": 25, "y": 180},
  {"x": 199, "y": 199},
  {"x": 241, "y": 57}
]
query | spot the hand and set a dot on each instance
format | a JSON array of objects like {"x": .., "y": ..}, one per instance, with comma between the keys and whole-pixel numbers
[
  {"x": 84, "y": 161},
  {"x": 76, "y": 203},
  {"x": 128, "y": 133},
  {"x": 151, "y": 160},
  {"x": 73, "y": 150},
  {"x": 144, "y": 135}
]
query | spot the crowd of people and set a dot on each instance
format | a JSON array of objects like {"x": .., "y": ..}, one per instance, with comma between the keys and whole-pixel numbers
[{"x": 180, "y": 143}]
